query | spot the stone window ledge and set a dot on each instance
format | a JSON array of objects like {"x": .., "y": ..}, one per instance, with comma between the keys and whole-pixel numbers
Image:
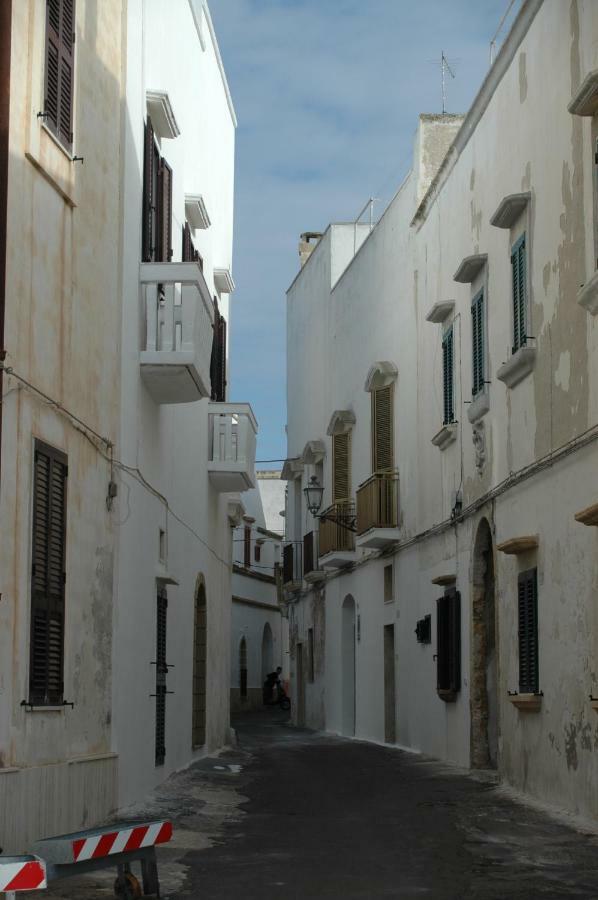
[
  {"x": 527, "y": 702},
  {"x": 517, "y": 367},
  {"x": 479, "y": 406},
  {"x": 587, "y": 296},
  {"x": 446, "y": 436},
  {"x": 593, "y": 704}
]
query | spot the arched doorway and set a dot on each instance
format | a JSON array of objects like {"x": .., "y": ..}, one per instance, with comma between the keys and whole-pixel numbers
[
  {"x": 348, "y": 665},
  {"x": 243, "y": 669},
  {"x": 200, "y": 647},
  {"x": 267, "y": 651},
  {"x": 484, "y": 676}
]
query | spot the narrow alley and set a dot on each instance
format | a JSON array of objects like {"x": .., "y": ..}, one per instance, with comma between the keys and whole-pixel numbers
[{"x": 295, "y": 814}]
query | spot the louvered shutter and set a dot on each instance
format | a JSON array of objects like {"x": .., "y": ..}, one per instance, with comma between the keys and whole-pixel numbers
[
  {"x": 527, "y": 588},
  {"x": 188, "y": 248},
  {"x": 448, "y": 644},
  {"x": 382, "y": 430},
  {"x": 164, "y": 212},
  {"x": 518, "y": 267},
  {"x": 477, "y": 340},
  {"x": 341, "y": 466},
  {"x": 447, "y": 377},
  {"x": 149, "y": 198},
  {"x": 218, "y": 358},
  {"x": 48, "y": 576},
  {"x": 60, "y": 40}
]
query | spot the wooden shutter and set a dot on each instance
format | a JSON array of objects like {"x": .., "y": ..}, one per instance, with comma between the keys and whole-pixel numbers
[
  {"x": 341, "y": 466},
  {"x": 218, "y": 358},
  {"x": 150, "y": 159},
  {"x": 48, "y": 576},
  {"x": 448, "y": 645},
  {"x": 199, "y": 671},
  {"x": 477, "y": 341},
  {"x": 247, "y": 547},
  {"x": 164, "y": 212},
  {"x": 188, "y": 254},
  {"x": 519, "y": 267},
  {"x": 527, "y": 589},
  {"x": 60, "y": 41},
  {"x": 161, "y": 672},
  {"x": 448, "y": 377},
  {"x": 382, "y": 430}
]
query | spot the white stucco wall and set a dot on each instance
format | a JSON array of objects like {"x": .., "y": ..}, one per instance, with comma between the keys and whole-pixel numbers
[{"x": 376, "y": 311}]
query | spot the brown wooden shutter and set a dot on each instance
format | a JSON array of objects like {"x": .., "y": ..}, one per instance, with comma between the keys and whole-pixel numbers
[
  {"x": 60, "y": 41},
  {"x": 448, "y": 645},
  {"x": 341, "y": 466},
  {"x": 382, "y": 430},
  {"x": 188, "y": 248},
  {"x": 149, "y": 198},
  {"x": 48, "y": 576},
  {"x": 218, "y": 359},
  {"x": 247, "y": 547},
  {"x": 164, "y": 212}
]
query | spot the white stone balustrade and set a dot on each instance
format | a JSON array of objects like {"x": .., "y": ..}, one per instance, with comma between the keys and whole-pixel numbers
[{"x": 232, "y": 442}]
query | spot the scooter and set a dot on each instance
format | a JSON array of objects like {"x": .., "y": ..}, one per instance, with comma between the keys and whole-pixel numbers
[{"x": 281, "y": 698}]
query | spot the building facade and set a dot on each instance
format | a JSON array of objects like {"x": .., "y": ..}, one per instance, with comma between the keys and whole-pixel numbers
[
  {"x": 60, "y": 414},
  {"x": 442, "y": 599},
  {"x": 259, "y": 632}
]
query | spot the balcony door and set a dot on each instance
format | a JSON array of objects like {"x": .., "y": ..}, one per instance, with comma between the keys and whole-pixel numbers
[{"x": 382, "y": 429}]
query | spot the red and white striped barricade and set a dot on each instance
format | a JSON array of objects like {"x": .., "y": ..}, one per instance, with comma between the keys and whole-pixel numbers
[
  {"x": 101, "y": 848},
  {"x": 21, "y": 873}
]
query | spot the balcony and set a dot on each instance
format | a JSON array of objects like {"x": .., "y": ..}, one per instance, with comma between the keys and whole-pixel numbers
[
  {"x": 378, "y": 511},
  {"x": 232, "y": 431},
  {"x": 311, "y": 572},
  {"x": 177, "y": 344},
  {"x": 292, "y": 566},
  {"x": 337, "y": 542}
]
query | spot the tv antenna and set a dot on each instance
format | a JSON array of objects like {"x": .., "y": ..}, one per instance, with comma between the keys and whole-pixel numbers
[{"x": 444, "y": 65}]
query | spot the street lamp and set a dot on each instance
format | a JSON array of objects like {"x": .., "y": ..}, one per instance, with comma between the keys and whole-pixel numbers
[{"x": 313, "y": 495}]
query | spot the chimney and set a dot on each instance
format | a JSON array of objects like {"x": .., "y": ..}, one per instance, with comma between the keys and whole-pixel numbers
[
  {"x": 434, "y": 136},
  {"x": 307, "y": 244}
]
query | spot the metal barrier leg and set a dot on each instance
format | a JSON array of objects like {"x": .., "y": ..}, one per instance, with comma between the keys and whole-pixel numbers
[{"x": 149, "y": 873}]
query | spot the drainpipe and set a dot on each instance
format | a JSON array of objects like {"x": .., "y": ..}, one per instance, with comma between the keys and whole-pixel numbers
[{"x": 5, "y": 36}]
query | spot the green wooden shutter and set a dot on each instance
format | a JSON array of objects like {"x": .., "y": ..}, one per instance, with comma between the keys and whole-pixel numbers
[
  {"x": 164, "y": 212},
  {"x": 448, "y": 377},
  {"x": 478, "y": 344},
  {"x": 382, "y": 430},
  {"x": 48, "y": 576},
  {"x": 341, "y": 466},
  {"x": 519, "y": 273},
  {"x": 527, "y": 589}
]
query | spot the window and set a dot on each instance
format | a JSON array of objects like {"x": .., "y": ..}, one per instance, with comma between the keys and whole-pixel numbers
[
  {"x": 157, "y": 202},
  {"x": 60, "y": 58},
  {"x": 527, "y": 585},
  {"x": 198, "y": 737},
  {"x": 310, "y": 660},
  {"x": 189, "y": 253},
  {"x": 519, "y": 269},
  {"x": 448, "y": 378},
  {"x": 257, "y": 552},
  {"x": 48, "y": 576},
  {"x": 341, "y": 466},
  {"x": 382, "y": 429},
  {"x": 477, "y": 344},
  {"x": 162, "y": 545},
  {"x": 247, "y": 546},
  {"x": 448, "y": 645},
  {"x": 388, "y": 584},
  {"x": 161, "y": 673},
  {"x": 218, "y": 359}
]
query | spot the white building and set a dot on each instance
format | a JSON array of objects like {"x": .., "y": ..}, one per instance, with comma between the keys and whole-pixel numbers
[
  {"x": 447, "y": 402},
  {"x": 259, "y": 631},
  {"x": 185, "y": 448}
]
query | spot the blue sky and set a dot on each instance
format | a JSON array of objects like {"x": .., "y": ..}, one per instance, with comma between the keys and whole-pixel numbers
[{"x": 327, "y": 93}]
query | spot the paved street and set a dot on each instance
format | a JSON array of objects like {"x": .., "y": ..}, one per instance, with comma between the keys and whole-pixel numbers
[{"x": 290, "y": 814}]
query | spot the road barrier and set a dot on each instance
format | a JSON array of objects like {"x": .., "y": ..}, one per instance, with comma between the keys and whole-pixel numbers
[{"x": 87, "y": 851}]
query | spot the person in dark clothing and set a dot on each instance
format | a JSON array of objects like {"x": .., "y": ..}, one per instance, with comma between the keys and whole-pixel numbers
[{"x": 272, "y": 681}]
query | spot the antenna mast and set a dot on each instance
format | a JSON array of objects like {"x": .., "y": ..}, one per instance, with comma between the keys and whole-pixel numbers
[{"x": 444, "y": 65}]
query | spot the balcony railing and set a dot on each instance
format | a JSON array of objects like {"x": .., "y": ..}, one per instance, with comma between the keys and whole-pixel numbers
[
  {"x": 334, "y": 535},
  {"x": 232, "y": 430},
  {"x": 292, "y": 568},
  {"x": 177, "y": 343},
  {"x": 378, "y": 502}
]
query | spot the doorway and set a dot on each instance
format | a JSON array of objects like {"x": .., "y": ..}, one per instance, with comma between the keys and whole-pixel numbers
[
  {"x": 161, "y": 673},
  {"x": 267, "y": 651},
  {"x": 484, "y": 675},
  {"x": 389, "y": 684},
  {"x": 348, "y": 665},
  {"x": 200, "y": 647}
]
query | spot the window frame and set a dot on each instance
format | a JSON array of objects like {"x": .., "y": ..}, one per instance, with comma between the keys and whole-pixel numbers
[
  {"x": 448, "y": 375},
  {"x": 519, "y": 306},
  {"x": 478, "y": 330},
  {"x": 527, "y": 632}
]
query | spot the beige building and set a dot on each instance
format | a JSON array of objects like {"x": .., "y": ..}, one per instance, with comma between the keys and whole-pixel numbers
[
  {"x": 444, "y": 597},
  {"x": 60, "y": 406}
]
